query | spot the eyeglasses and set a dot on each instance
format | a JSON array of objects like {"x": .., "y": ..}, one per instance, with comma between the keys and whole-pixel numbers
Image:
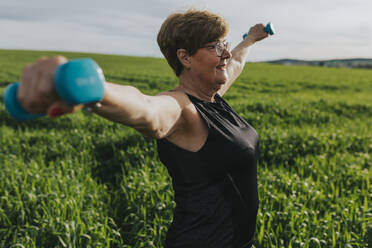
[{"x": 220, "y": 47}]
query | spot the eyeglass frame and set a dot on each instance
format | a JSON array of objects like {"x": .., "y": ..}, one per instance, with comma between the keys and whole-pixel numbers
[{"x": 226, "y": 46}]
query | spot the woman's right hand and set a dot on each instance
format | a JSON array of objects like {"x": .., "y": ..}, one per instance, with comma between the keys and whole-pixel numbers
[{"x": 36, "y": 92}]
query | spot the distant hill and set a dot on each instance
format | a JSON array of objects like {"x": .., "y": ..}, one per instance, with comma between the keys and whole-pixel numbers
[{"x": 344, "y": 63}]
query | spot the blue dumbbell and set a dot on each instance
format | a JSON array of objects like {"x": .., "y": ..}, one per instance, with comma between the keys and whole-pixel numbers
[
  {"x": 269, "y": 28},
  {"x": 79, "y": 81}
]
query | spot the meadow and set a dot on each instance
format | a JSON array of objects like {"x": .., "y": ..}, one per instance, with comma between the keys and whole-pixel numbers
[{"x": 82, "y": 181}]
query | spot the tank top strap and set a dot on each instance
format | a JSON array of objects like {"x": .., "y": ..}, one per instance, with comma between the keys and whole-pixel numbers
[
  {"x": 203, "y": 109},
  {"x": 218, "y": 115}
]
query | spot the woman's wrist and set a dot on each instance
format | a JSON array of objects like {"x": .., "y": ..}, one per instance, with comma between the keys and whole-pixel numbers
[
  {"x": 249, "y": 40},
  {"x": 96, "y": 106}
]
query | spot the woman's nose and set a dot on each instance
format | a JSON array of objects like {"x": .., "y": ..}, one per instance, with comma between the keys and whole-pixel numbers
[{"x": 226, "y": 54}]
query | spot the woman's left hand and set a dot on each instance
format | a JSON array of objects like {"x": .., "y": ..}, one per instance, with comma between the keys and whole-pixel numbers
[{"x": 257, "y": 33}]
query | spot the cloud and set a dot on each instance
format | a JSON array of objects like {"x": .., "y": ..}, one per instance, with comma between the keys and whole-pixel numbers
[{"x": 305, "y": 29}]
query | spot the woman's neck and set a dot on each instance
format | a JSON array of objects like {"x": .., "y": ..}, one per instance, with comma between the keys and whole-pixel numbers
[{"x": 195, "y": 88}]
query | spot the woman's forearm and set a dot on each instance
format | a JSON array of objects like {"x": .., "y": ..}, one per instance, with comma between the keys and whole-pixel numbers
[
  {"x": 236, "y": 64},
  {"x": 154, "y": 116},
  {"x": 240, "y": 53},
  {"x": 238, "y": 58}
]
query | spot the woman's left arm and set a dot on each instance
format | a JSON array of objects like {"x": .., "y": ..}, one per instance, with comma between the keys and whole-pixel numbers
[{"x": 240, "y": 53}]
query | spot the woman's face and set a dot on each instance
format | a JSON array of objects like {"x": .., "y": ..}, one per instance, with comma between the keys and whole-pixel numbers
[{"x": 209, "y": 64}]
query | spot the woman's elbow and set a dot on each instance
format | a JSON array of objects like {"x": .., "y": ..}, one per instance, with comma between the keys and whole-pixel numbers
[
  {"x": 151, "y": 127},
  {"x": 152, "y": 132}
]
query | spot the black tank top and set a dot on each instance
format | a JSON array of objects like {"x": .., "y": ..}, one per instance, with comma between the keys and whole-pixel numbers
[{"x": 216, "y": 187}]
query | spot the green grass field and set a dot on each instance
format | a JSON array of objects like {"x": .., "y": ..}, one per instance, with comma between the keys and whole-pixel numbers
[{"x": 82, "y": 181}]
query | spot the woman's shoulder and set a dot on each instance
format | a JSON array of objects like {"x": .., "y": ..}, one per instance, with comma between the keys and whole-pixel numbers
[
  {"x": 191, "y": 132},
  {"x": 188, "y": 110},
  {"x": 174, "y": 93},
  {"x": 181, "y": 97}
]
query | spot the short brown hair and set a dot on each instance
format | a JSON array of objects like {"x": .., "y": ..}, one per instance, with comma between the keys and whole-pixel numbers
[{"x": 189, "y": 30}]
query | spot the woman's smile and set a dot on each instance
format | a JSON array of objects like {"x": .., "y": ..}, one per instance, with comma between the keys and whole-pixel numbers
[{"x": 221, "y": 67}]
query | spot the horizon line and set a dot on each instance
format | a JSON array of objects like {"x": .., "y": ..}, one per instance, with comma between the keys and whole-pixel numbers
[{"x": 162, "y": 57}]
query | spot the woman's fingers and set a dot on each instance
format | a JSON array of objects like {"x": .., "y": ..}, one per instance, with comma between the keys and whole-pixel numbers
[
  {"x": 42, "y": 58},
  {"x": 36, "y": 92},
  {"x": 60, "y": 108},
  {"x": 257, "y": 32},
  {"x": 25, "y": 90}
]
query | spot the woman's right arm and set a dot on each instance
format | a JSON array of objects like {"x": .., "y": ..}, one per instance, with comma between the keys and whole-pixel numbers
[{"x": 155, "y": 116}]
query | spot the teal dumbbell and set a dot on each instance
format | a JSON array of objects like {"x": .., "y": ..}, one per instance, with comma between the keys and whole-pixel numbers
[
  {"x": 79, "y": 81},
  {"x": 269, "y": 28}
]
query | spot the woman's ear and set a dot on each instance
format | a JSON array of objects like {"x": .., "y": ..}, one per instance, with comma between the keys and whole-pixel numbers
[{"x": 184, "y": 58}]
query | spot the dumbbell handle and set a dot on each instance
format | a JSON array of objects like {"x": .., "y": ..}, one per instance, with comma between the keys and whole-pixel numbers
[
  {"x": 79, "y": 81},
  {"x": 269, "y": 28}
]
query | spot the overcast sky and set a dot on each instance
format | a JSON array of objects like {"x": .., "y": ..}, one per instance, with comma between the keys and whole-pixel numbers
[{"x": 316, "y": 29}]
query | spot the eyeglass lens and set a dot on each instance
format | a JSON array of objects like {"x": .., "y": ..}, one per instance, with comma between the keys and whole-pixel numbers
[{"x": 221, "y": 47}]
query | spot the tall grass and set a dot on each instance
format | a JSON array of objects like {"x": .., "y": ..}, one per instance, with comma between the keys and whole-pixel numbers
[{"x": 82, "y": 181}]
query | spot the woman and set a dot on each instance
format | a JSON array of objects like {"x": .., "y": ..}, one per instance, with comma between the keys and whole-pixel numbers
[{"x": 210, "y": 151}]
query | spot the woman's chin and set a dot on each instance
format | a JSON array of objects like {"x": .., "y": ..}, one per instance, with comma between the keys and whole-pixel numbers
[
  {"x": 222, "y": 77},
  {"x": 222, "y": 80}
]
